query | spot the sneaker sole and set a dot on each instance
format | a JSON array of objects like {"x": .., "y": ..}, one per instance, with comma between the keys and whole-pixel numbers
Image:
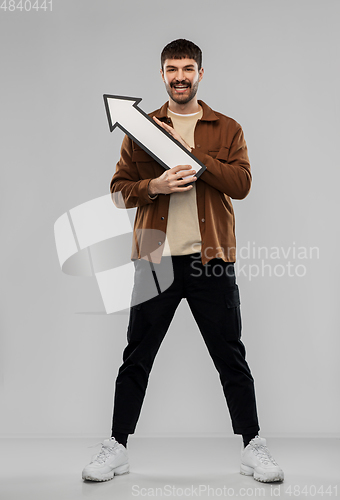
[
  {"x": 118, "y": 471},
  {"x": 273, "y": 477}
]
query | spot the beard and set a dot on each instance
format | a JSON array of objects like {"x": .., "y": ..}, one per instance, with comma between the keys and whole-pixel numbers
[{"x": 182, "y": 98}]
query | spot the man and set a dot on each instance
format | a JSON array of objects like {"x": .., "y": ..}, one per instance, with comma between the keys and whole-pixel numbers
[{"x": 197, "y": 217}]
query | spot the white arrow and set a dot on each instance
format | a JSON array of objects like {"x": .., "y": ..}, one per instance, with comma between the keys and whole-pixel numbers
[{"x": 123, "y": 112}]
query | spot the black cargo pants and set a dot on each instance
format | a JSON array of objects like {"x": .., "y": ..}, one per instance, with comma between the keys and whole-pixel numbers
[{"x": 213, "y": 297}]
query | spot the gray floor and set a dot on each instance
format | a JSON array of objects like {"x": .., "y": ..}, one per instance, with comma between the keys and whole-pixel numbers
[{"x": 205, "y": 468}]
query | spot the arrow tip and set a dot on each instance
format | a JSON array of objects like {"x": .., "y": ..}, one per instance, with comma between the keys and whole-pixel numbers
[{"x": 115, "y": 105}]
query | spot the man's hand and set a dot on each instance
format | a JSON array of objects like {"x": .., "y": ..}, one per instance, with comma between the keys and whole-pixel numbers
[
  {"x": 173, "y": 133},
  {"x": 171, "y": 181}
]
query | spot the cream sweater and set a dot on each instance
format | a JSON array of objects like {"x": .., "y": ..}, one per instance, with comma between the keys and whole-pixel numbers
[{"x": 183, "y": 233}]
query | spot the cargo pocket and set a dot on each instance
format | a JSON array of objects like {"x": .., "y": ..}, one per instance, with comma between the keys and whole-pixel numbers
[
  {"x": 233, "y": 314},
  {"x": 232, "y": 297},
  {"x": 134, "y": 330}
]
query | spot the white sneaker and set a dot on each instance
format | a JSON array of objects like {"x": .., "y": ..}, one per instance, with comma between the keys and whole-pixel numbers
[
  {"x": 110, "y": 461},
  {"x": 257, "y": 461}
]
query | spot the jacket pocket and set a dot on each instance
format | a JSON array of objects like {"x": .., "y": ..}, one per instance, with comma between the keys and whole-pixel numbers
[
  {"x": 222, "y": 154},
  {"x": 145, "y": 164},
  {"x": 139, "y": 155}
]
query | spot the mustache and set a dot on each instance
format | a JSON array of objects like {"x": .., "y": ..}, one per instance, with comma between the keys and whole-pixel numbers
[{"x": 182, "y": 82}]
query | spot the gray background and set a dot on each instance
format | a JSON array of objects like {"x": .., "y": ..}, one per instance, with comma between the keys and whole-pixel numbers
[{"x": 271, "y": 65}]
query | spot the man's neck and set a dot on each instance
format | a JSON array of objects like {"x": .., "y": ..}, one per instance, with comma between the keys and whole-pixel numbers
[{"x": 184, "y": 109}]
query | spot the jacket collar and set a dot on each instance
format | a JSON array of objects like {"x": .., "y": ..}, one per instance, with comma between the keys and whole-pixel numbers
[{"x": 208, "y": 113}]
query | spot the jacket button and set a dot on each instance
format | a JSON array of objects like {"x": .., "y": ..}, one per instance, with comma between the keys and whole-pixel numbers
[
  {"x": 198, "y": 146},
  {"x": 162, "y": 218},
  {"x": 203, "y": 220},
  {"x": 159, "y": 243},
  {"x": 168, "y": 120}
]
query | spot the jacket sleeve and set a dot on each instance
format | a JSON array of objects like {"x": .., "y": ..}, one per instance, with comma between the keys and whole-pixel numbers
[
  {"x": 229, "y": 172},
  {"x": 126, "y": 180}
]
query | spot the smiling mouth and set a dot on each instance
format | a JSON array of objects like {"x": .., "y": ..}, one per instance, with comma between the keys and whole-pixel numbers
[{"x": 180, "y": 89}]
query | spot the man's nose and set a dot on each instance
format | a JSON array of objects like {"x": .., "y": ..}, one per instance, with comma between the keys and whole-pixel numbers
[{"x": 180, "y": 75}]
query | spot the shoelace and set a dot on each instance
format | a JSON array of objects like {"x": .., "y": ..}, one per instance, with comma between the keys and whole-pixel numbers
[
  {"x": 104, "y": 454},
  {"x": 114, "y": 442},
  {"x": 263, "y": 454}
]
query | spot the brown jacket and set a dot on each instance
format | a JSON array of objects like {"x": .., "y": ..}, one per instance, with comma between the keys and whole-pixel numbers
[{"x": 221, "y": 147}]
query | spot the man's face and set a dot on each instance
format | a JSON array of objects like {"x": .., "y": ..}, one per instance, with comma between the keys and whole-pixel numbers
[{"x": 181, "y": 78}]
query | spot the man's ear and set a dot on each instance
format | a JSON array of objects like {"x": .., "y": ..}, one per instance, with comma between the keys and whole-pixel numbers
[
  {"x": 162, "y": 74},
  {"x": 200, "y": 73}
]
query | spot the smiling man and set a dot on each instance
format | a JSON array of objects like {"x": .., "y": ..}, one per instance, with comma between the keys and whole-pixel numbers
[
  {"x": 181, "y": 78},
  {"x": 197, "y": 217}
]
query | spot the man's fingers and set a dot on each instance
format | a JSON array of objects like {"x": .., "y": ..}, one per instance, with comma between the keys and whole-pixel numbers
[
  {"x": 187, "y": 179},
  {"x": 157, "y": 121},
  {"x": 181, "y": 189},
  {"x": 182, "y": 167},
  {"x": 169, "y": 129},
  {"x": 163, "y": 125},
  {"x": 185, "y": 174}
]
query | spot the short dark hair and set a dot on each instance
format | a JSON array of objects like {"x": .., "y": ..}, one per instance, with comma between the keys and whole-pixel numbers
[{"x": 179, "y": 49}]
